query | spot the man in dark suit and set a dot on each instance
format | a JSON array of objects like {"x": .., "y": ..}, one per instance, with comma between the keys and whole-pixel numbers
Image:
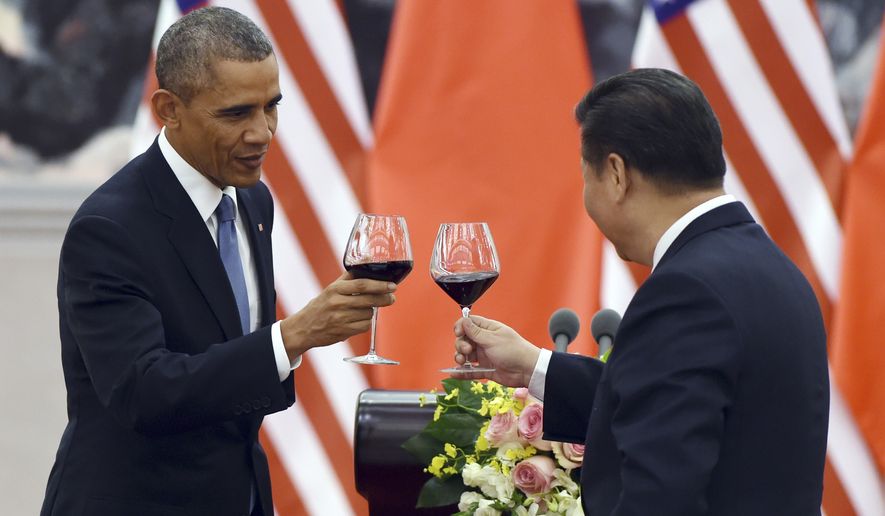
[
  {"x": 715, "y": 398},
  {"x": 171, "y": 350}
]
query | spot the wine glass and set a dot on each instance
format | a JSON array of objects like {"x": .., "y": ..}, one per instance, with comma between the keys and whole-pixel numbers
[
  {"x": 464, "y": 264},
  {"x": 379, "y": 249}
]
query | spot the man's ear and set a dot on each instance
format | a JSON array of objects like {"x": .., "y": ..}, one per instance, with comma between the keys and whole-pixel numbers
[
  {"x": 167, "y": 108},
  {"x": 618, "y": 174}
]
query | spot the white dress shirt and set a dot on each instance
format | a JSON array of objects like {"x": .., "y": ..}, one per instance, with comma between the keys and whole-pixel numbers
[
  {"x": 539, "y": 374},
  {"x": 206, "y": 197}
]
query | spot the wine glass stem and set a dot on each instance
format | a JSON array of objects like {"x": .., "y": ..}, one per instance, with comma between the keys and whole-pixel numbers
[
  {"x": 374, "y": 324},
  {"x": 465, "y": 313}
]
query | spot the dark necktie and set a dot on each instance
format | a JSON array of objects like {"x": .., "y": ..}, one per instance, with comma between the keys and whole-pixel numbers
[{"x": 230, "y": 257}]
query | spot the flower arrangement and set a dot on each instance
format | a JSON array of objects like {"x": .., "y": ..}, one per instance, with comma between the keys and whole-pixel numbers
[{"x": 485, "y": 450}]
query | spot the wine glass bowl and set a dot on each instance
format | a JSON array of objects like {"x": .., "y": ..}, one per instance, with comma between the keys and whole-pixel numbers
[
  {"x": 378, "y": 249},
  {"x": 464, "y": 264}
]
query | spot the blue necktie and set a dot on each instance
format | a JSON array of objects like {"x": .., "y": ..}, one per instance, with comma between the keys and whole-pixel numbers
[{"x": 230, "y": 256}]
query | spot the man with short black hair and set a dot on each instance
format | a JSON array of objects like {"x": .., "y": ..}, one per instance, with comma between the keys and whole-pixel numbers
[
  {"x": 171, "y": 350},
  {"x": 715, "y": 398}
]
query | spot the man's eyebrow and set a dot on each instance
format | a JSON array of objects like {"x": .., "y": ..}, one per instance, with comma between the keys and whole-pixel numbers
[
  {"x": 235, "y": 109},
  {"x": 246, "y": 107}
]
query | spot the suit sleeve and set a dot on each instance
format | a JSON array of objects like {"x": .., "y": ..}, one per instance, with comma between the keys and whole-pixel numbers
[
  {"x": 673, "y": 375},
  {"x": 119, "y": 332},
  {"x": 568, "y": 396}
]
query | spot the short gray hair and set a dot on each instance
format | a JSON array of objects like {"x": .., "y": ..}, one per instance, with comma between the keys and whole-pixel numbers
[{"x": 198, "y": 39}]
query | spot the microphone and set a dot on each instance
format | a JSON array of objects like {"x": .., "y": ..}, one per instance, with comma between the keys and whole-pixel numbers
[
  {"x": 563, "y": 327},
  {"x": 604, "y": 326}
]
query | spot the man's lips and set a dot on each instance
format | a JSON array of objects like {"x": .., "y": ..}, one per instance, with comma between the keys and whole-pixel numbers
[{"x": 252, "y": 160}]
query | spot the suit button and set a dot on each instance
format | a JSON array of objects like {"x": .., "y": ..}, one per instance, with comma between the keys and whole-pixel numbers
[
  {"x": 256, "y": 404},
  {"x": 238, "y": 410},
  {"x": 246, "y": 408},
  {"x": 265, "y": 402}
]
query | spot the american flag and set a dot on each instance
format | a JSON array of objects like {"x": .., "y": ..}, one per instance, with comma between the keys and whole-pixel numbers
[{"x": 763, "y": 65}]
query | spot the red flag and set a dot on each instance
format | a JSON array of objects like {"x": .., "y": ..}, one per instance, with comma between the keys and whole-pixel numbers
[
  {"x": 474, "y": 123},
  {"x": 858, "y": 354}
]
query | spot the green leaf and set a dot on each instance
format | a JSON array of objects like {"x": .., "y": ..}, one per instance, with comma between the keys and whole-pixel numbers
[
  {"x": 467, "y": 397},
  {"x": 423, "y": 447},
  {"x": 604, "y": 357},
  {"x": 458, "y": 429},
  {"x": 437, "y": 493}
]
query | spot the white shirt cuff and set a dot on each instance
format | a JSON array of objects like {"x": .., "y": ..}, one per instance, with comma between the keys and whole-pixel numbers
[
  {"x": 284, "y": 367},
  {"x": 539, "y": 375}
]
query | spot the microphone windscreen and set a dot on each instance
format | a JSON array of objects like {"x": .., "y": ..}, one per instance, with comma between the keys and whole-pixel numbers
[
  {"x": 564, "y": 322},
  {"x": 605, "y": 323}
]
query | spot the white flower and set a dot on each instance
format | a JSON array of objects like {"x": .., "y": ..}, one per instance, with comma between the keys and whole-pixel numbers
[
  {"x": 485, "y": 509},
  {"x": 562, "y": 479},
  {"x": 468, "y": 498},
  {"x": 577, "y": 510},
  {"x": 568, "y": 505},
  {"x": 490, "y": 481},
  {"x": 531, "y": 511}
]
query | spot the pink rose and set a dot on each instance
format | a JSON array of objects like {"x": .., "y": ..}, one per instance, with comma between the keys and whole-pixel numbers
[
  {"x": 531, "y": 426},
  {"x": 502, "y": 429},
  {"x": 534, "y": 474},
  {"x": 569, "y": 455}
]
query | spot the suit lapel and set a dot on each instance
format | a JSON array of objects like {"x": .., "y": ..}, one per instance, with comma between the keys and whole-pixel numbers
[
  {"x": 193, "y": 243},
  {"x": 258, "y": 233}
]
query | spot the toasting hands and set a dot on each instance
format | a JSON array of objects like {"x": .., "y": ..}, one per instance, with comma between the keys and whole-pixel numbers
[
  {"x": 342, "y": 310},
  {"x": 496, "y": 345}
]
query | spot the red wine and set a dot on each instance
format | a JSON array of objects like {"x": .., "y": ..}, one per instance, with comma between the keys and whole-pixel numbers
[
  {"x": 394, "y": 271},
  {"x": 465, "y": 289}
]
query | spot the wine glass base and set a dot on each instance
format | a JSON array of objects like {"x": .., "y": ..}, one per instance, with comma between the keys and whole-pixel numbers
[
  {"x": 371, "y": 359},
  {"x": 461, "y": 370}
]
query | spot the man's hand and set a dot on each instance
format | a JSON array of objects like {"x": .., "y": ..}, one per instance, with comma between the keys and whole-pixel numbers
[
  {"x": 495, "y": 345},
  {"x": 341, "y": 310}
]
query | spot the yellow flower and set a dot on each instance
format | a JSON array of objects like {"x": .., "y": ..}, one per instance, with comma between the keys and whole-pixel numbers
[
  {"x": 484, "y": 409},
  {"x": 499, "y": 405},
  {"x": 470, "y": 459},
  {"x": 476, "y": 387},
  {"x": 422, "y": 400},
  {"x": 436, "y": 465},
  {"x": 452, "y": 394},
  {"x": 451, "y": 450},
  {"x": 438, "y": 412},
  {"x": 482, "y": 444},
  {"x": 450, "y": 471}
]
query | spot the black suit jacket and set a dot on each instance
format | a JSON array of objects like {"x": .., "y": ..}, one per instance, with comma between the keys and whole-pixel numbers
[
  {"x": 165, "y": 395},
  {"x": 715, "y": 398}
]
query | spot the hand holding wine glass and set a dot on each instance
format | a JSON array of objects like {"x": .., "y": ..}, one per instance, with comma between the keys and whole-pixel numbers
[
  {"x": 379, "y": 249},
  {"x": 464, "y": 264}
]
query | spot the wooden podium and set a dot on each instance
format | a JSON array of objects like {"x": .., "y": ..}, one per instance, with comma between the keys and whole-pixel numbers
[{"x": 387, "y": 475}]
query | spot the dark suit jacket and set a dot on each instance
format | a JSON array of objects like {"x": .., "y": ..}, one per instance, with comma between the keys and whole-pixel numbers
[
  {"x": 715, "y": 398},
  {"x": 165, "y": 395}
]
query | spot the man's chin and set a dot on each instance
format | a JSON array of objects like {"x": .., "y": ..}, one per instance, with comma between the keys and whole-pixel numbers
[{"x": 246, "y": 177}]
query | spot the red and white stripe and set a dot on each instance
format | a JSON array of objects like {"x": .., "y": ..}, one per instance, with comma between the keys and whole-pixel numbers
[
  {"x": 764, "y": 66},
  {"x": 314, "y": 170}
]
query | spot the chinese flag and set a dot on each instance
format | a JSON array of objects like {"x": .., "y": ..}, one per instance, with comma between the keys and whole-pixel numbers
[
  {"x": 858, "y": 354},
  {"x": 474, "y": 122}
]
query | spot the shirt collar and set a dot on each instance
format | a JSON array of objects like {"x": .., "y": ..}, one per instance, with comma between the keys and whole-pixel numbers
[
  {"x": 202, "y": 192},
  {"x": 682, "y": 222}
]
